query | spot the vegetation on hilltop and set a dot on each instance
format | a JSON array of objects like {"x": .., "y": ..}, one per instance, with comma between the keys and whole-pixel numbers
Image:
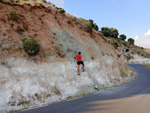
[
  {"x": 110, "y": 32},
  {"x": 131, "y": 41},
  {"x": 147, "y": 50},
  {"x": 123, "y": 37},
  {"x": 89, "y": 25},
  {"x": 20, "y": 2},
  {"x": 61, "y": 10}
]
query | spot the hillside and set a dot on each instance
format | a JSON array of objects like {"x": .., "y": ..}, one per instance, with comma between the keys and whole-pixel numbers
[
  {"x": 147, "y": 50},
  {"x": 130, "y": 53},
  {"x": 28, "y": 81}
]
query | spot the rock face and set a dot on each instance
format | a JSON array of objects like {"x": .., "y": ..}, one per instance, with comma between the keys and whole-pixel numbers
[{"x": 51, "y": 75}]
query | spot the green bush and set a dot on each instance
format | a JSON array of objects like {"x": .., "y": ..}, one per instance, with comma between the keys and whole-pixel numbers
[
  {"x": 127, "y": 50},
  {"x": 92, "y": 57},
  {"x": 112, "y": 32},
  {"x": 60, "y": 45},
  {"x": 89, "y": 24},
  {"x": 62, "y": 55},
  {"x": 89, "y": 29},
  {"x": 106, "y": 33},
  {"x": 24, "y": 39},
  {"x": 115, "y": 44},
  {"x": 14, "y": 15},
  {"x": 82, "y": 22},
  {"x": 123, "y": 37},
  {"x": 95, "y": 27},
  {"x": 119, "y": 55},
  {"x": 31, "y": 46},
  {"x": 131, "y": 41},
  {"x": 61, "y": 10},
  {"x": 124, "y": 44}
]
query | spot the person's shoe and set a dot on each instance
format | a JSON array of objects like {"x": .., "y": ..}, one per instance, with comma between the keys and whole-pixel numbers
[
  {"x": 83, "y": 70},
  {"x": 78, "y": 73}
]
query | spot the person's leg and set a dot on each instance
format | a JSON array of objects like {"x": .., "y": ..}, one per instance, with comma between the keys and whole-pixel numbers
[
  {"x": 83, "y": 66},
  {"x": 78, "y": 69}
]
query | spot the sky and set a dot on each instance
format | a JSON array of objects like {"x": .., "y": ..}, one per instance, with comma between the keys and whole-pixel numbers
[{"x": 129, "y": 17}]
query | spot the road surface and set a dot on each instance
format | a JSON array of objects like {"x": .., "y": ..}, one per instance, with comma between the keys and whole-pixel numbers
[{"x": 133, "y": 97}]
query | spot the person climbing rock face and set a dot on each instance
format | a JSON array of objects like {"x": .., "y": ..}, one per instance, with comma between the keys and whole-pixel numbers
[{"x": 79, "y": 61}]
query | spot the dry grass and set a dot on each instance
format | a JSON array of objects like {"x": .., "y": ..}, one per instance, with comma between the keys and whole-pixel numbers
[
  {"x": 125, "y": 72},
  {"x": 146, "y": 65},
  {"x": 147, "y": 50},
  {"x": 32, "y": 3},
  {"x": 71, "y": 17}
]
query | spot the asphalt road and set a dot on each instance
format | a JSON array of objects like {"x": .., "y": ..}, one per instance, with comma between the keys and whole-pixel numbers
[{"x": 133, "y": 97}]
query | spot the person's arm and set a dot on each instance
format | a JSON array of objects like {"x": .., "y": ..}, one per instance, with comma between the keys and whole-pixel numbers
[{"x": 75, "y": 57}]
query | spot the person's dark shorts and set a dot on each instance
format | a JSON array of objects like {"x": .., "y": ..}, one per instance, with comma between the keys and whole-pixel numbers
[{"x": 80, "y": 62}]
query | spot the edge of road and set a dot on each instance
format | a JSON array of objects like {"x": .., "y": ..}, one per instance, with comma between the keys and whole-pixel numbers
[{"x": 132, "y": 78}]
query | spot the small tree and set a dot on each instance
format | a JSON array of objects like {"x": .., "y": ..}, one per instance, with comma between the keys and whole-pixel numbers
[
  {"x": 114, "y": 32},
  {"x": 131, "y": 41},
  {"x": 123, "y": 37},
  {"x": 95, "y": 27},
  {"x": 106, "y": 31}
]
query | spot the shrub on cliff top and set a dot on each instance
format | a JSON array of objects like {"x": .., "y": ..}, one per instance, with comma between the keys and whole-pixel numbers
[
  {"x": 71, "y": 17},
  {"x": 89, "y": 29},
  {"x": 95, "y": 27},
  {"x": 31, "y": 46},
  {"x": 110, "y": 32},
  {"x": 123, "y": 37},
  {"x": 61, "y": 10},
  {"x": 131, "y": 41},
  {"x": 14, "y": 15}
]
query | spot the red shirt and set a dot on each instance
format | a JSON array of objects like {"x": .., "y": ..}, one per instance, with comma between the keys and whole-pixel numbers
[{"x": 79, "y": 57}]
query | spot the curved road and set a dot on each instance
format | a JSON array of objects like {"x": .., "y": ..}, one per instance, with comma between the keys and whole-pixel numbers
[{"x": 133, "y": 97}]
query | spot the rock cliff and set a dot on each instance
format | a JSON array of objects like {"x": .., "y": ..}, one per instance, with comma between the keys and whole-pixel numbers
[{"x": 50, "y": 76}]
